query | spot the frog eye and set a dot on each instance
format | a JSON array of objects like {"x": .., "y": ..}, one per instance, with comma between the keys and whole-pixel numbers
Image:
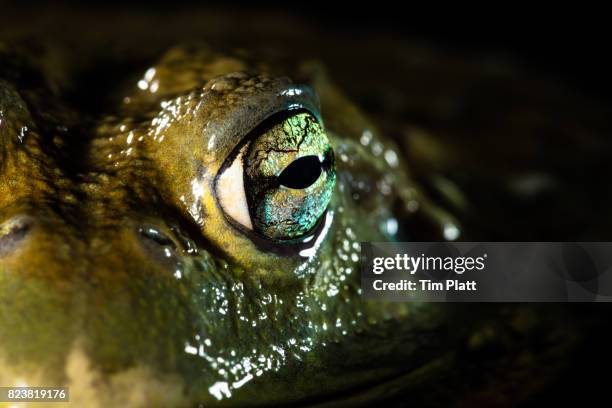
[{"x": 279, "y": 183}]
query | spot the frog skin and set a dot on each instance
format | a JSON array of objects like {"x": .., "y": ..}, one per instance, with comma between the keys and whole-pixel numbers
[{"x": 124, "y": 278}]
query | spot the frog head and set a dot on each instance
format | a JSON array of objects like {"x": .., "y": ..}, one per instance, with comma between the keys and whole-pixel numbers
[{"x": 199, "y": 241}]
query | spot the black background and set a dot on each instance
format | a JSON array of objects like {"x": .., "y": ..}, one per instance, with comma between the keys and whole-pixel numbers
[{"x": 568, "y": 41}]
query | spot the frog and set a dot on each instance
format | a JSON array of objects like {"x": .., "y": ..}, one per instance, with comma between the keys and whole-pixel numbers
[{"x": 197, "y": 243}]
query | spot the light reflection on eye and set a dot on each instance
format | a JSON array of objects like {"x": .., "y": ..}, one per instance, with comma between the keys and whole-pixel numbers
[{"x": 280, "y": 182}]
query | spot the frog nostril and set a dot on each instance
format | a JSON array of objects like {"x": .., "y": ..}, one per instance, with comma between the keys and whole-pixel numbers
[
  {"x": 12, "y": 232},
  {"x": 159, "y": 245},
  {"x": 157, "y": 237}
]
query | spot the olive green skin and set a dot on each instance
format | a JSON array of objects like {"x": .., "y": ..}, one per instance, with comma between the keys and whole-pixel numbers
[{"x": 213, "y": 315}]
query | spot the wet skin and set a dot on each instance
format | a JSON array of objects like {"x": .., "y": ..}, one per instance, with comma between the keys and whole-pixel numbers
[{"x": 130, "y": 275}]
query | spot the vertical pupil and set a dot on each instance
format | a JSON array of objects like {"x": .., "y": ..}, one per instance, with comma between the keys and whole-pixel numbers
[{"x": 301, "y": 173}]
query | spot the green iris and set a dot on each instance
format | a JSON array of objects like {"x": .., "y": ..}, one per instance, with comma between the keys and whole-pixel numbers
[{"x": 289, "y": 177}]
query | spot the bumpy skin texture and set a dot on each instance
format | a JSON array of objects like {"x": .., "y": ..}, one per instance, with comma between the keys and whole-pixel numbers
[{"x": 122, "y": 278}]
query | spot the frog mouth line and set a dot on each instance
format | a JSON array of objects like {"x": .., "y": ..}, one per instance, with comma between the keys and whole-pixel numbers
[
  {"x": 139, "y": 383},
  {"x": 390, "y": 389}
]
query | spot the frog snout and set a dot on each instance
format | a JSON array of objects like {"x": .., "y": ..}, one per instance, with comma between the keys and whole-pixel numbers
[
  {"x": 106, "y": 292},
  {"x": 29, "y": 241}
]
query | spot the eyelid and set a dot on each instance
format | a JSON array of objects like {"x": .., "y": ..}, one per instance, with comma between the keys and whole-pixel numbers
[{"x": 277, "y": 95}]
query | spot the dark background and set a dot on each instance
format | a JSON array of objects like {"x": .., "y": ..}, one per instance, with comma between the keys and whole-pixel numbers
[{"x": 571, "y": 42}]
